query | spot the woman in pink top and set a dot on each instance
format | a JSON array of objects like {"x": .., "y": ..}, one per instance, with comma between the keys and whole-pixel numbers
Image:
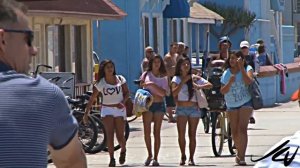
[{"x": 156, "y": 81}]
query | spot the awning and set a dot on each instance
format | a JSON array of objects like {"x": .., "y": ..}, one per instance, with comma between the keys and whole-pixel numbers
[
  {"x": 177, "y": 9},
  {"x": 201, "y": 15},
  {"x": 85, "y": 9}
]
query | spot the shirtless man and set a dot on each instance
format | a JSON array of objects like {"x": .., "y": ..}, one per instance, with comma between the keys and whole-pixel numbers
[{"x": 170, "y": 62}]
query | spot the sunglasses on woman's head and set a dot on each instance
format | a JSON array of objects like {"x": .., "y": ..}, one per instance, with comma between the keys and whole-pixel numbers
[{"x": 29, "y": 34}]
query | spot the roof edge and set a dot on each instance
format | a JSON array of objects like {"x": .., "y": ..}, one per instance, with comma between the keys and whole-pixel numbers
[
  {"x": 82, "y": 15},
  {"x": 116, "y": 8}
]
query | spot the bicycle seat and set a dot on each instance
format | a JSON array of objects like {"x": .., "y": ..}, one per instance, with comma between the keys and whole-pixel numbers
[
  {"x": 83, "y": 97},
  {"x": 137, "y": 81},
  {"x": 217, "y": 63},
  {"x": 74, "y": 102},
  {"x": 89, "y": 93}
]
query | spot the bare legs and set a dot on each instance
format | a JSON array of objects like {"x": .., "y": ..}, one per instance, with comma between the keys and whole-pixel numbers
[
  {"x": 157, "y": 118},
  {"x": 239, "y": 120},
  {"x": 111, "y": 125},
  {"x": 181, "y": 127}
]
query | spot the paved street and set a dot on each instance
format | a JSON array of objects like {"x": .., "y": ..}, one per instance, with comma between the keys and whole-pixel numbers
[{"x": 272, "y": 124}]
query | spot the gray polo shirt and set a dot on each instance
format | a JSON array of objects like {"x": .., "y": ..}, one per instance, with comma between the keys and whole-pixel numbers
[{"x": 33, "y": 114}]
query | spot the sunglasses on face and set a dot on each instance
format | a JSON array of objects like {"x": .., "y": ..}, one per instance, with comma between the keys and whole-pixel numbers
[{"x": 28, "y": 33}]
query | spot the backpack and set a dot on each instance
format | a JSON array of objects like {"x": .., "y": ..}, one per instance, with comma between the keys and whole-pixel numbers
[{"x": 257, "y": 101}]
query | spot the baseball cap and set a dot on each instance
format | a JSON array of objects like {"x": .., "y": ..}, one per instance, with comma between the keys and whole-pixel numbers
[
  {"x": 224, "y": 39},
  {"x": 181, "y": 43},
  {"x": 244, "y": 44}
]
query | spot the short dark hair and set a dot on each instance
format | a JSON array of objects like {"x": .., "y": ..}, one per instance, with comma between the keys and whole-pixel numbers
[
  {"x": 173, "y": 44},
  {"x": 8, "y": 13},
  {"x": 261, "y": 49},
  {"x": 260, "y": 41}
]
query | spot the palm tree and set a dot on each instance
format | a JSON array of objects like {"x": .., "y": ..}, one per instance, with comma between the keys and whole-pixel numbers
[{"x": 236, "y": 18}]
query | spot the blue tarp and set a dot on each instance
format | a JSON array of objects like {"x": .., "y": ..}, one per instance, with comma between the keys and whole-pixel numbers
[{"x": 177, "y": 9}]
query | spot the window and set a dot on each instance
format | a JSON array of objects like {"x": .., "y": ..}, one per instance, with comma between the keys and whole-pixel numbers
[
  {"x": 146, "y": 32},
  {"x": 181, "y": 31},
  {"x": 155, "y": 34},
  {"x": 298, "y": 6},
  {"x": 174, "y": 30},
  {"x": 77, "y": 53},
  {"x": 52, "y": 43}
]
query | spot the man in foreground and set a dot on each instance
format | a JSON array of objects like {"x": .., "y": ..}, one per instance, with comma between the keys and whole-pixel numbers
[{"x": 33, "y": 112}]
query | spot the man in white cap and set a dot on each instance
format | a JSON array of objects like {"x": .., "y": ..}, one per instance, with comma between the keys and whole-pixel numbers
[
  {"x": 251, "y": 60},
  {"x": 149, "y": 53},
  {"x": 180, "y": 50}
]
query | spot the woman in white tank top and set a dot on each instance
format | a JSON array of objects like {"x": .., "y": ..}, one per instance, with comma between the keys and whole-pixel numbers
[
  {"x": 114, "y": 92},
  {"x": 187, "y": 111}
]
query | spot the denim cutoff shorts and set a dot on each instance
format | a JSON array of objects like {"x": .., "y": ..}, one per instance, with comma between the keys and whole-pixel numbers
[
  {"x": 191, "y": 111},
  {"x": 246, "y": 105},
  {"x": 158, "y": 107}
]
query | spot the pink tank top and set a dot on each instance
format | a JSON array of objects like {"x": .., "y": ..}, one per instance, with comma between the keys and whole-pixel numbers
[{"x": 161, "y": 82}]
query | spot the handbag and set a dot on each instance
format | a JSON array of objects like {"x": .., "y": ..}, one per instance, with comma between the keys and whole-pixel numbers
[
  {"x": 201, "y": 98},
  {"x": 257, "y": 101}
]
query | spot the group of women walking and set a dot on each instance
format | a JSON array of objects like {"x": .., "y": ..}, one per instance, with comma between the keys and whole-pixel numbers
[{"x": 182, "y": 86}]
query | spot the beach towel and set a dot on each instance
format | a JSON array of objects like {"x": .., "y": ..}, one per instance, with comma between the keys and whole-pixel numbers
[
  {"x": 142, "y": 101},
  {"x": 282, "y": 73}
]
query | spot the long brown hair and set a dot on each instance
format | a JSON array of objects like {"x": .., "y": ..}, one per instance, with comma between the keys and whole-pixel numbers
[
  {"x": 178, "y": 73},
  {"x": 238, "y": 55},
  {"x": 102, "y": 67},
  {"x": 162, "y": 68}
]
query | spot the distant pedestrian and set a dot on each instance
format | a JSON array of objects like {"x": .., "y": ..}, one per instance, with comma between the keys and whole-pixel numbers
[
  {"x": 186, "y": 51},
  {"x": 224, "y": 46},
  {"x": 34, "y": 114},
  {"x": 170, "y": 63},
  {"x": 155, "y": 79},
  {"x": 149, "y": 53},
  {"x": 187, "y": 111},
  {"x": 235, "y": 80},
  {"x": 114, "y": 92},
  {"x": 263, "y": 57},
  {"x": 180, "y": 50}
]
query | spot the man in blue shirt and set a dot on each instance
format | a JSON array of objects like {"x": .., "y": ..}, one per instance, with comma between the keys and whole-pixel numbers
[{"x": 34, "y": 114}]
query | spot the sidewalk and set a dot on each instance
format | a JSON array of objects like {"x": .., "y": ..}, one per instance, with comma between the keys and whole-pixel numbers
[{"x": 272, "y": 124}]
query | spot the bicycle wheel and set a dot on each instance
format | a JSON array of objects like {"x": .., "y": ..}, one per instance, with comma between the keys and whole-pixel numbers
[
  {"x": 87, "y": 133},
  {"x": 217, "y": 135},
  {"x": 126, "y": 133},
  {"x": 230, "y": 144},
  {"x": 101, "y": 137},
  {"x": 206, "y": 122}
]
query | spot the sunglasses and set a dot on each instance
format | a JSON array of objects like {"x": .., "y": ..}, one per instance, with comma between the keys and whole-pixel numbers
[{"x": 28, "y": 33}]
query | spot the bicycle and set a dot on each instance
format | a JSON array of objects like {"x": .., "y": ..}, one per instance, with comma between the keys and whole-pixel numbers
[
  {"x": 86, "y": 133},
  {"x": 221, "y": 133}
]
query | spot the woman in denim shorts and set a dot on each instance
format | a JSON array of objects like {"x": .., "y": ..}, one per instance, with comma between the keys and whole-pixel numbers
[
  {"x": 183, "y": 88},
  {"x": 156, "y": 81},
  {"x": 235, "y": 81}
]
